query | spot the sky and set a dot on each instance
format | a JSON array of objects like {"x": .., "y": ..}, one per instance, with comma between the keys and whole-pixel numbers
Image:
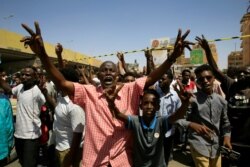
[{"x": 99, "y": 27}]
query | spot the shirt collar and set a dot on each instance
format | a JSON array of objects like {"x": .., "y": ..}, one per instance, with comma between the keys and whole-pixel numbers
[{"x": 151, "y": 126}]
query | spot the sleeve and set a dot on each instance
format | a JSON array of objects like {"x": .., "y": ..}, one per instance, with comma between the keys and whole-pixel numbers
[
  {"x": 79, "y": 94},
  {"x": 140, "y": 83},
  {"x": 226, "y": 127},
  {"x": 183, "y": 123},
  {"x": 178, "y": 102},
  {"x": 131, "y": 121},
  {"x": 165, "y": 126},
  {"x": 41, "y": 98},
  {"x": 16, "y": 89},
  {"x": 77, "y": 118}
]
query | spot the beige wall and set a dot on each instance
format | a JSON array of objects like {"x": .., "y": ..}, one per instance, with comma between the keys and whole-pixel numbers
[{"x": 10, "y": 40}]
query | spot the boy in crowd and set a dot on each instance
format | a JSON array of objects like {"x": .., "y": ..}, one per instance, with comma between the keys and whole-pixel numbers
[{"x": 148, "y": 129}]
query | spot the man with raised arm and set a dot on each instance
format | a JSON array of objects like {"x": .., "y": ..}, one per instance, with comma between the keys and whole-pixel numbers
[
  {"x": 238, "y": 104},
  {"x": 107, "y": 143}
]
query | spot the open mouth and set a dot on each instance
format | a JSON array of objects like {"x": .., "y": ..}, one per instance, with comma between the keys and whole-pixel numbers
[{"x": 108, "y": 80}]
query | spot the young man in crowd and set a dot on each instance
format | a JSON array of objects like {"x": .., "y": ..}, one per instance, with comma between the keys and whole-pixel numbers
[
  {"x": 208, "y": 121},
  {"x": 238, "y": 98},
  {"x": 170, "y": 103}
]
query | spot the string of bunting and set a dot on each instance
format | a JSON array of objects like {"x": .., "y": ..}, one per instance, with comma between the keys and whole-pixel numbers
[{"x": 168, "y": 47}]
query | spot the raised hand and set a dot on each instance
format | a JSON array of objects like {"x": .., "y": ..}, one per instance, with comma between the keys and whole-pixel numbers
[
  {"x": 120, "y": 56},
  {"x": 202, "y": 42},
  {"x": 58, "y": 49},
  {"x": 148, "y": 53},
  {"x": 111, "y": 94},
  {"x": 182, "y": 93},
  {"x": 180, "y": 45},
  {"x": 34, "y": 41}
]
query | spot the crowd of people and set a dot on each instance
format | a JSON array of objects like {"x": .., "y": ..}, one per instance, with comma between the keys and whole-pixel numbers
[{"x": 114, "y": 117}]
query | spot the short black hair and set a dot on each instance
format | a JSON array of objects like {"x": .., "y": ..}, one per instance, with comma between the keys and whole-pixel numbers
[
  {"x": 201, "y": 68},
  {"x": 170, "y": 74},
  {"x": 153, "y": 92},
  {"x": 70, "y": 74},
  {"x": 185, "y": 70}
]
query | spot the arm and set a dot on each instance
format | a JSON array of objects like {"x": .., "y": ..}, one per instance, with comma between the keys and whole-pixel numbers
[
  {"x": 35, "y": 42},
  {"x": 74, "y": 148},
  {"x": 77, "y": 120},
  {"x": 82, "y": 72},
  {"x": 179, "y": 47},
  {"x": 184, "y": 97},
  {"x": 204, "y": 44},
  {"x": 150, "y": 62},
  {"x": 121, "y": 63},
  {"x": 58, "y": 50}
]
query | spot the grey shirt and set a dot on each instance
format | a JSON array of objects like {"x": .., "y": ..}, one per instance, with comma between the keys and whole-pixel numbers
[
  {"x": 148, "y": 141},
  {"x": 211, "y": 111}
]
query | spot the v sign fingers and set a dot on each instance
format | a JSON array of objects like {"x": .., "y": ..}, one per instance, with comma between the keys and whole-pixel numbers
[{"x": 35, "y": 40}]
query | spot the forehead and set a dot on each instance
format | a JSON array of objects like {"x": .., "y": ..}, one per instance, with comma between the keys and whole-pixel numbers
[
  {"x": 27, "y": 70},
  {"x": 205, "y": 73},
  {"x": 148, "y": 97},
  {"x": 108, "y": 65}
]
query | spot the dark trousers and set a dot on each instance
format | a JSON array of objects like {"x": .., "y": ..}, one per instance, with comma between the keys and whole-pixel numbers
[
  {"x": 168, "y": 148},
  {"x": 3, "y": 162},
  {"x": 27, "y": 151}
]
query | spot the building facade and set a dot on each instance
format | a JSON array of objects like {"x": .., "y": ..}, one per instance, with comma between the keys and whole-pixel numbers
[
  {"x": 235, "y": 59},
  {"x": 245, "y": 44}
]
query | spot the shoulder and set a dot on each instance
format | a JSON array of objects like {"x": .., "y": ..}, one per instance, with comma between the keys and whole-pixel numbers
[{"x": 219, "y": 98}]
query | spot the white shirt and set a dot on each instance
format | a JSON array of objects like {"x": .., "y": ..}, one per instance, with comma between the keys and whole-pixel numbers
[
  {"x": 28, "y": 108},
  {"x": 68, "y": 118}
]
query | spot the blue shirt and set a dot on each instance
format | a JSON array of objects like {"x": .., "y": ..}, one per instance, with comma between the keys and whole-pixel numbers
[{"x": 6, "y": 127}]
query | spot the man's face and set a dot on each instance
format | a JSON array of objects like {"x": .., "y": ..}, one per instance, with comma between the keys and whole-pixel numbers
[
  {"x": 149, "y": 105},
  {"x": 28, "y": 76},
  {"x": 129, "y": 78},
  {"x": 165, "y": 82},
  {"x": 205, "y": 80},
  {"x": 107, "y": 74},
  {"x": 186, "y": 76},
  {"x": 243, "y": 73},
  {"x": 3, "y": 75}
]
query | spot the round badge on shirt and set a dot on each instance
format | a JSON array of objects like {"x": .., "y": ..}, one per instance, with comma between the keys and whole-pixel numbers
[{"x": 156, "y": 135}]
